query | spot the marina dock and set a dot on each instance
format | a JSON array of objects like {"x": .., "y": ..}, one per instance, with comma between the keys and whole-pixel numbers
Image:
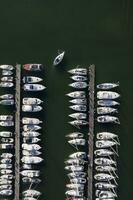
[{"x": 91, "y": 74}]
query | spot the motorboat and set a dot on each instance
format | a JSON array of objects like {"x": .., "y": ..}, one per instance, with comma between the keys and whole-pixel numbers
[
  {"x": 31, "y": 159},
  {"x": 78, "y": 180},
  {"x": 79, "y": 85},
  {"x": 27, "y": 120},
  {"x": 78, "y": 71},
  {"x": 74, "y": 193},
  {"x": 31, "y": 147},
  {"x": 30, "y": 134},
  {"x": 7, "y": 123},
  {"x": 106, "y": 136},
  {"x": 31, "y": 101},
  {"x": 78, "y": 78},
  {"x": 108, "y": 119},
  {"x": 6, "y": 134},
  {"x": 6, "y": 171},
  {"x": 5, "y": 182},
  {"x": 75, "y": 161},
  {"x": 6, "y": 117},
  {"x": 78, "y": 115},
  {"x": 29, "y": 198},
  {"x": 105, "y": 143},
  {"x": 7, "y": 140},
  {"x": 78, "y": 123},
  {"x": 6, "y": 96},
  {"x": 77, "y": 174},
  {"x": 30, "y": 140},
  {"x": 6, "y": 67},
  {"x": 27, "y": 166},
  {"x": 6, "y": 155},
  {"x": 82, "y": 101},
  {"x": 31, "y": 193},
  {"x": 75, "y": 135},
  {"x": 104, "y": 185},
  {"x": 77, "y": 94},
  {"x": 5, "y": 166},
  {"x": 6, "y": 160},
  {"x": 6, "y": 84},
  {"x": 31, "y": 79},
  {"x": 107, "y": 102},
  {"x": 31, "y": 108},
  {"x": 31, "y": 127},
  {"x": 6, "y": 192},
  {"x": 59, "y": 59},
  {"x": 74, "y": 168},
  {"x": 5, "y": 187},
  {"x": 103, "y": 177},
  {"x": 105, "y": 194},
  {"x": 31, "y": 153},
  {"x": 30, "y": 173},
  {"x": 7, "y": 176},
  {"x": 75, "y": 186},
  {"x": 77, "y": 142},
  {"x": 104, "y": 161},
  {"x": 80, "y": 108},
  {"x": 107, "y": 95},
  {"x": 7, "y": 78},
  {"x": 6, "y": 146},
  {"x": 77, "y": 155},
  {"x": 7, "y": 102},
  {"x": 103, "y": 152},
  {"x": 33, "y": 87},
  {"x": 106, "y": 110},
  {"x": 6, "y": 72},
  {"x": 107, "y": 86},
  {"x": 31, "y": 180},
  {"x": 32, "y": 67},
  {"x": 106, "y": 168}
]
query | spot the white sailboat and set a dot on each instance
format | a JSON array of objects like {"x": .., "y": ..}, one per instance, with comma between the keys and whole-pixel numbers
[
  {"x": 106, "y": 136},
  {"x": 77, "y": 142},
  {"x": 30, "y": 133},
  {"x": 30, "y": 147},
  {"x": 7, "y": 123},
  {"x": 32, "y": 140},
  {"x": 31, "y": 159},
  {"x": 103, "y": 177},
  {"x": 75, "y": 135},
  {"x": 6, "y": 117},
  {"x": 107, "y": 102},
  {"x": 7, "y": 78},
  {"x": 106, "y": 168},
  {"x": 108, "y": 119},
  {"x": 78, "y": 71},
  {"x": 107, "y": 95},
  {"x": 78, "y": 123},
  {"x": 5, "y": 166},
  {"x": 74, "y": 193},
  {"x": 103, "y": 152},
  {"x": 27, "y": 120},
  {"x": 31, "y": 108},
  {"x": 6, "y": 72},
  {"x": 59, "y": 59},
  {"x": 6, "y": 192},
  {"x": 33, "y": 87},
  {"x": 31, "y": 79},
  {"x": 76, "y": 174},
  {"x": 104, "y": 161},
  {"x": 105, "y": 143},
  {"x": 77, "y": 94},
  {"x": 74, "y": 168},
  {"x": 6, "y": 96},
  {"x": 6, "y": 134},
  {"x": 30, "y": 173},
  {"x": 7, "y": 102},
  {"x": 6, "y": 155},
  {"x": 31, "y": 101},
  {"x": 6, "y": 171},
  {"x": 82, "y": 101},
  {"x": 6, "y": 84},
  {"x": 78, "y": 115},
  {"x": 31, "y": 152},
  {"x": 78, "y": 180},
  {"x": 106, "y": 110},
  {"x": 104, "y": 185},
  {"x": 75, "y": 186},
  {"x": 80, "y": 108},
  {"x": 6, "y": 67},
  {"x": 78, "y": 154},
  {"x": 78, "y": 78},
  {"x": 79, "y": 85},
  {"x": 107, "y": 86},
  {"x": 31, "y": 127}
]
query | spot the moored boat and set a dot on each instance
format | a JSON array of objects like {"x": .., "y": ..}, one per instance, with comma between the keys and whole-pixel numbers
[
  {"x": 107, "y": 102},
  {"x": 79, "y": 101},
  {"x": 78, "y": 78},
  {"x": 31, "y": 127},
  {"x": 108, "y": 119},
  {"x": 27, "y": 120},
  {"x": 6, "y": 96},
  {"x": 106, "y": 136},
  {"x": 5, "y": 134},
  {"x": 104, "y": 185},
  {"x": 31, "y": 79},
  {"x": 30, "y": 133},
  {"x": 31, "y": 108},
  {"x": 79, "y": 85},
  {"x": 104, "y": 161},
  {"x": 106, "y": 110},
  {"x": 106, "y": 168},
  {"x": 31, "y": 152},
  {"x": 77, "y": 142},
  {"x": 105, "y": 194},
  {"x": 75, "y": 135},
  {"x": 6, "y": 84},
  {"x": 77, "y": 94},
  {"x": 78, "y": 123},
  {"x": 105, "y": 143},
  {"x": 79, "y": 154},
  {"x": 107, "y": 86},
  {"x": 107, "y": 95},
  {"x": 33, "y": 87},
  {"x": 78, "y": 71},
  {"x": 7, "y": 123},
  {"x": 32, "y": 140},
  {"x": 80, "y": 108},
  {"x": 103, "y": 177},
  {"x": 78, "y": 115},
  {"x": 6, "y": 67},
  {"x": 31, "y": 147},
  {"x": 31, "y": 159},
  {"x": 6, "y": 117},
  {"x": 103, "y": 152},
  {"x": 7, "y": 102},
  {"x": 30, "y": 173},
  {"x": 31, "y": 101},
  {"x": 32, "y": 67},
  {"x": 6, "y": 72},
  {"x": 7, "y": 78}
]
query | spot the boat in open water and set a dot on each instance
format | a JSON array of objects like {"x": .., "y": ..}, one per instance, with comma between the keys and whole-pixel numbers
[{"x": 58, "y": 59}]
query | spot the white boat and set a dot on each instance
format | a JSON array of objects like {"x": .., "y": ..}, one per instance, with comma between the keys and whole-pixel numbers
[
  {"x": 6, "y": 84},
  {"x": 107, "y": 95},
  {"x": 105, "y": 194},
  {"x": 29, "y": 198},
  {"x": 75, "y": 161},
  {"x": 7, "y": 78},
  {"x": 6, "y": 192},
  {"x": 75, "y": 186},
  {"x": 7, "y": 123},
  {"x": 5, "y": 182},
  {"x": 27, "y": 120},
  {"x": 108, "y": 119},
  {"x": 31, "y": 108},
  {"x": 78, "y": 180},
  {"x": 76, "y": 174},
  {"x": 6, "y": 155},
  {"x": 6, "y": 160},
  {"x": 31, "y": 101},
  {"x": 6, "y": 171},
  {"x": 103, "y": 152},
  {"x": 74, "y": 193},
  {"x": 103, "y": 177},
  {"x": 30, "y": 173},
  {"x": 7, "y": 176},
  {"x": 6, "y": 67},
  {"x": 105, "y": 143},
  {"x": 77, "y": 94},
  {"x": 31, "y": 193},
  {"x": 104, "y": 185},
  {"x": 31, "y": 180},
  {"x": 31, "y": 127},
  {"x": 5, "y": 166},
  {"x": 6, "y": 146},
  {"x": 78, "y": 71},
  {"x": 6, "y": 72},
  {"x": 79, "y": 78},
  {"x": 27, "y": 166},
  {"x": 33, "y": 87},
  {"x": 31, "y": 79},
  {"x": 79, "y": 85},
  {"x": 7, "y": 102},
  {"x": 31, "y": 153},
  {"x": 30, "y": 134},
  {"x": 6, "y": 96},
  {"x": 6, "y": 117},
  {"x": 59, "y": 58},
  {"x": 30, "y": 140},
  {"x": 107, "y": 86},
  {"x": 6, "y": 134},
  {"x": 106, "y": 110},
  {"x": 107, "y": 102},
  {"x": 80, "y": 108},
  {"x": 33, "y": 67},
  {"x": 77, "y": 142},
  {"x": 31, "y": 159},
  {"x": 104, "y": 161},
  {"x": 5, "y": 187},
  {"x": 78, "y": 154},
  {"x": 75, "y": 135},
  {"x": 79, "y": 101},
  {"x": 78, "y": 123},
  {"x": 106, "y": 136},
  {"x": 78, "y": 115},
  {"x": 31, "y": 147},
  {"x": 74, "y": 168},
  {"x": 106, "y": 168}
]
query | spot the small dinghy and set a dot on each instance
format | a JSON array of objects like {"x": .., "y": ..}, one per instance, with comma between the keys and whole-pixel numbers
[
  {"x": 79, "y": 85},
  {"x": 31, "y": 147},
  {"x": 6, "y": 155},
  {"x": 7, "y": 78},
  {"x": 7, "y": 140},
  {"x": 104, "y": 161},
  {"x": 77, "y": 94},
  {"x": 33, "y": 87},
  {"x": 78, "y": 180},
  {"x": 31, "y": 79},
  {"x": 78, "y": 116},
  {"x": 31, "y": 180},
  {"x": 74, "y": 168},
  {"x": 32, "y": 67},
  {"x": 6, "y": 96},
  {"x": 26, "y": 120},
  {"x": 30, "y": 134},
  {"x": 6, "y": 160},
  {"x": 75, "y": 135},
  {"x": 104, "y": 185},
  {"x": 105, "y": 194},
  {"x": 107, "y": 95},
  {"x": 107, "y": 103},
  {"x": 106, "y": 136},
  {"x": 31, "y": 153},
  {"x": 107, "y": 86},
  {"x": 78, "y": 123},
  {"x": 31, "y": 193},
  {"x": 31, "y": 127},
  {"x": 6, "y": 134},
  {"x": 6, "y": 171},
  {"x": 31, "y": 101},
  {"x": 76, "y": 174},
  {"x": 78, "y": 71},
  {"x": 6, "y": 84},
  {"x": 103, "y": 152},
  {"x": 7, "y": 123},
  {"x": 77, "y": 155},
  {"x": 30, "y": 140},
  {"x": 74, "y": 193},
  {"x": 80, "y": 108},
  {"x": 106, "y": 168},
  {"x": 105, "y": 143},
  {"x": 77, "y": 142},
  {"x": 7, "y": 102},
  {"x": 106, "y": 110},
  {"x": 79, "y": 78},
  {"x": 79, "y": 101},
  {"x": 6, "y": 192},
  {"x": 30, "y": 173},
  {"x": 59, "y": 59},
  {"x": 5, "y": 166},
  {"x": 31, "y": 108},
  {"x": 103, "y": 177},
  {"x": 108, "y": 119},
  {"x": 6, "y": 67},
  {"x": 6, "y": 72},
  {"x": 75, "y": 186},
  {"x": 6, "y": 117},
  {"x": 31, "y": 159}
]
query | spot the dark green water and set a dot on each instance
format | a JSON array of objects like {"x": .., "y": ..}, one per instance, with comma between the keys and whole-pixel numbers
[{"x": 99, "y": 32}]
